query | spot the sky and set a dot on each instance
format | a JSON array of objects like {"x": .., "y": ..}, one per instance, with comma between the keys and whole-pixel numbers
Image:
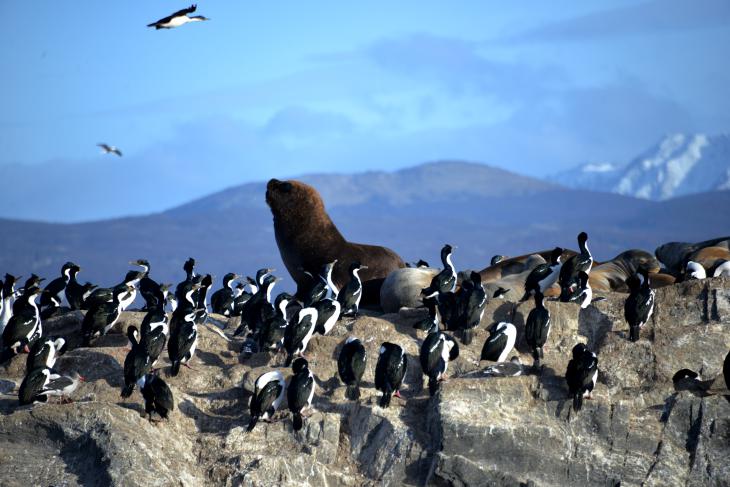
[{"x": 276, "y": 89}]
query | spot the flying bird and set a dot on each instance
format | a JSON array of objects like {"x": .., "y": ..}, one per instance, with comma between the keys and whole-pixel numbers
[
  {"x": 178, "y": 18},
  {"x": 109, "y": 149}
]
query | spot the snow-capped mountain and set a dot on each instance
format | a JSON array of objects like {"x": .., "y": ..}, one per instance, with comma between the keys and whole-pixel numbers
[{"x": 679, "y": 164}]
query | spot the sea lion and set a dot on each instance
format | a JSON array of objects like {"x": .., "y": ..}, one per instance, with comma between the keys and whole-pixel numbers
[
  {"x": 308, "y": 239},
  {"x": 710, "y": 258},
  {"x": 612, "y": 275},
  {"x": 674, "y": 255},
  {"x": 517, "y": 265},
  {"x": 402, "y": 288}
]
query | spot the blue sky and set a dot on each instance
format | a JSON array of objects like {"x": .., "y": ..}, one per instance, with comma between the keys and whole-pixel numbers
[{"x": 283, "y": 88}]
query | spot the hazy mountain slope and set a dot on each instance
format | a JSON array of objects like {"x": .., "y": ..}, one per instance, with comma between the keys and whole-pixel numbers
[
  {"x": 415, "y": 211},
  {"x": 678, "y": 165}
]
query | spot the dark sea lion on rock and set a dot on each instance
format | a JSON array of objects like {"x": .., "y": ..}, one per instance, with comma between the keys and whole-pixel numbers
[
  {"x": 308, "y": 239},
  {"x": 612, "y": 275},
  {"x": 674, "y": 255}
]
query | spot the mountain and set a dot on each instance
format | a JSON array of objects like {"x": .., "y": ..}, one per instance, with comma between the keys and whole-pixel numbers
[
  {"x": 678, "y": 165},
  {"x": 482, "y": 210}
]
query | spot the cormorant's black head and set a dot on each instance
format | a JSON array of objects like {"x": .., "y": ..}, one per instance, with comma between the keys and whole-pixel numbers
[
  {"x": 555, "y": 255},
  {"x": 229, "y": 277},
  {"x": 446, "y": 250},
  {"x": 207, "y": 281},
  {"x": 33, "y": 280},
  {"x": 260, "y": 275},
  {"x": 496, "y": 259},
  {"x": 579, "y": 349},
  {"x": 133, "y": 276},
  {"x": 67, "y": 266},
  {"x": 685, "y": 374},
  {"x": 74, "y": 270},
  {"x": 357, "y": 266},
  {"x": 582, "y": 238},
  {"x": 281, "y": 297},
  {"x": 189, "y": 265},
  {"x": 300, "y": 365}
]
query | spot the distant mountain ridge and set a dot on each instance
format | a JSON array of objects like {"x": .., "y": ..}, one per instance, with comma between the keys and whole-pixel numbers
[
  {"x": 678, "y": 165},
  {"x": 414, "y": 211}
]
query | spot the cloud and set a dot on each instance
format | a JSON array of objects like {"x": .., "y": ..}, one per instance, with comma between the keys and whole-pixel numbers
[
  {"x": 298, "y": 121},
  {"x": 648, "y": 17}
]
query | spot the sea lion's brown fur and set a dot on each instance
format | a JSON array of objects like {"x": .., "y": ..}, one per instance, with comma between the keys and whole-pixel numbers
[
  {"x": 612, "y": 275},
  {"x": 674, "y": 255},
  {"x": 516, "y": 265},
  {"x": 710, "y": 258},
  {"x": 308, "y": 239}
]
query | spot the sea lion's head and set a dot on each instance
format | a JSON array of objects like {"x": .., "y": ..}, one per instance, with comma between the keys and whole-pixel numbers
[{"x": 293, "y": 199}]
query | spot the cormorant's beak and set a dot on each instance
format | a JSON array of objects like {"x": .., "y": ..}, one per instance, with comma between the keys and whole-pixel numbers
[
  {"x": 277, "y": 279},
  {"x": 363, "y": 267},
  {"x": 82, "y": 379},
  {"x": 270, "y": 270}
]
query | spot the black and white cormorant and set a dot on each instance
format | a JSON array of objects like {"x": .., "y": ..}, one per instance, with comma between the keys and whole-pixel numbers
[
  {"x": 389, "y": 371},
  {"x": 474, "y": 300},
  {"x": 136, "y": 364},
  {"x": 157, "y": 395},
  {"x": 8, "y": 298},
  {"x": 44, "y": 353},
  {"x": 299, "y": 332},
  {"x": 575, "y": 264},
  {"x": 50, "y": 301},
  {"x": 75, "y": 292},
  {"x": 201, "y": 309},
  {"x": 581, "y": 374},
  {"x": 434, "y": 315},
  {"x": 148, "y": 288},
  {"x": 639, "y": 306},
  {"x": 177, "y": 19},
  {"x": 42, "y": 383},
  {"x": 350, "y": 295},
  {"x": 259, "y": 308},
  {"x": 320, "y": 286},
  {"x": 579, "y": 291},
  {"x": 437, "y": 350},
  {"x": 544, "y": 275},
  {"x": 182, "y": 343},
  {"x": 128, "y": 294},
  {"x": 444, "y": 281},
  {"x": 24, "y": 327},
  {"x": 154, "y": 329},
  {"x": 222, "y": 301},
  {"x": 328, "y": 312},
  {"x": 271, "y": 333},
  {"x": 513, "y": 368},
  {"x": 351, "y": 366},
  {"x": 100, "y": 318},
  {"x": 694, "y": 270},
  {"x": 300, "y": 391},
  {"x": 537, "y": 328},
  {"x": 500, "y": 342},
  {"x": 267, "y": 396}
]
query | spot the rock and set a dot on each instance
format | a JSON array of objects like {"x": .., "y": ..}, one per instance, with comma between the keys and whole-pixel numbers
[{"x": 510, "y": 431}]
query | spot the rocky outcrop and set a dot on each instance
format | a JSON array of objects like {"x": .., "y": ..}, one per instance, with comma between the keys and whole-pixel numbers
[{"x": 476, "y": 431}]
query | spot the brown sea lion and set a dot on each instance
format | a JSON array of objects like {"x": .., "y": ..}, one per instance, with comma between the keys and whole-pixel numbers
[
  {"x": 612, "y": 275},
  {"x": 674, "y": 255},
  {"x": 308, "y": 239},
  {"x": 710, "y": 258},
  {"x": 517, "y": 265}
]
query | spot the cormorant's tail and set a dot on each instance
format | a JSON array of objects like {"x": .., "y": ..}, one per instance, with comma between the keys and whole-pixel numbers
[
  {"x": 433, "y": 386},
  {"x": 252, "y": 423},
  {"x": 577, "y": 401},
  {"x": 385, "y": 400},
  {"x": 6, "y": 355},
  {"x": 633, "y": 333},
  {"x": 127, "y": 390},
  {"x": 353, "y": 392},
  {"x": 298, "y": 421},
  {"x": 467, "y": 336},
  {"x": 536, "y": 355},
  {"x": 175, "y": 369}
]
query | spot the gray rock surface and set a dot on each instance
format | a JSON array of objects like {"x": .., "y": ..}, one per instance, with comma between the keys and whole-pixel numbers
[{"x": 510, "y": 431}]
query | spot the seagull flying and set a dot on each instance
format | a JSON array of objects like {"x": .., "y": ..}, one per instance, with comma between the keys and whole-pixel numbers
[
  {"x": 178, "y": 18},
  {"x": 109, "y": 149}
]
